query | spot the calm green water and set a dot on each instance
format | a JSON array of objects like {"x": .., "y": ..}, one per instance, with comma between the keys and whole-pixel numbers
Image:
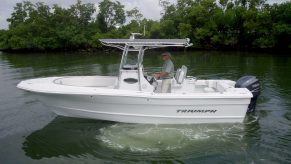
[{"x": 30, "y": 133}]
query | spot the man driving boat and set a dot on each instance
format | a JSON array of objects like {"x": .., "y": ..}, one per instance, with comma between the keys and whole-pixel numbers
[{"x": 167, "y": 72}]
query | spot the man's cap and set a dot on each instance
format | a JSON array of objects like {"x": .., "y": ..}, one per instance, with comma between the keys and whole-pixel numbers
[{"x": 166, "y": 54}]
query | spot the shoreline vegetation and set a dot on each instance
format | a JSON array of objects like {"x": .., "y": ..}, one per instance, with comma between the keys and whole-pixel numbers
[{"x": 244, "y": 25}]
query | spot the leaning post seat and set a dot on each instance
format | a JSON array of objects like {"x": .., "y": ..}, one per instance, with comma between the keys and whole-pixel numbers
[{"x": 181, "y": 74}]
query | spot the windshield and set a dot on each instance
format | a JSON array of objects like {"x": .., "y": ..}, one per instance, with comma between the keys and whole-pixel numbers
[{"x": 130, "y": 60}]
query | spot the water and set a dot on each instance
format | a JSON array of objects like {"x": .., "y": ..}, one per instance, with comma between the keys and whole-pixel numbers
[{"x": 30, "y": 133}]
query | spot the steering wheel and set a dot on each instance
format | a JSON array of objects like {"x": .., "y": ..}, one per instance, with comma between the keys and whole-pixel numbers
[{"x": 150, "y": 79}]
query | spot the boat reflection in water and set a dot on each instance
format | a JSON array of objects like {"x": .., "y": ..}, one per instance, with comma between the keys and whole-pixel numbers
[{"x": 74, "y": 138}]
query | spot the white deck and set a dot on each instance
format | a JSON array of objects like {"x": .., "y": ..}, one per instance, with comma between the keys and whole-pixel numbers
[{"x": 104, "y": 85}]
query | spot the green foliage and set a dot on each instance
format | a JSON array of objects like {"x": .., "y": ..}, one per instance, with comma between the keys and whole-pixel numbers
[
  {"x": 110, "y": 15},
  {"x": 3, "y": 39},
  {"x": 281, "y": 15},
  {"x": 135, "y": 15},
  {"x": 229, "y": 24},
  {"x": 37, "y": 26},
  {"x": 210, "y": 24},
  {"x": 184, "y": 30}
]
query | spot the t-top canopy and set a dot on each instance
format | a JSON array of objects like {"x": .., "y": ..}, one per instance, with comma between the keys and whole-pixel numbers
[{"x": 146, "y": 43}]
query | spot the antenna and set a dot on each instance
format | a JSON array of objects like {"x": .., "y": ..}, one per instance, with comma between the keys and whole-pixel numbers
[{"x": 132, "y": 35}]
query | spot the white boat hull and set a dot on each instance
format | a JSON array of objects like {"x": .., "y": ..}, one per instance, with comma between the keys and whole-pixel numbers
[
  {"x": 138, "y": 107},
  {"x": 147, "y": 110}
]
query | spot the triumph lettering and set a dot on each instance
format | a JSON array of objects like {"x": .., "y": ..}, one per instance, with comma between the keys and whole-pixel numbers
[{"x": 196, "y": 111}]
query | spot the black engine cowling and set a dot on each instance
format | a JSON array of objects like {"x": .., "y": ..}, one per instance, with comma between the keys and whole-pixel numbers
[{"x": 253, "y": 85}]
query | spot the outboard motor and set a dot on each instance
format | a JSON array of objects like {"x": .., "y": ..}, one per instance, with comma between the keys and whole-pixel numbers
[{"x": 253, "y": 85}]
